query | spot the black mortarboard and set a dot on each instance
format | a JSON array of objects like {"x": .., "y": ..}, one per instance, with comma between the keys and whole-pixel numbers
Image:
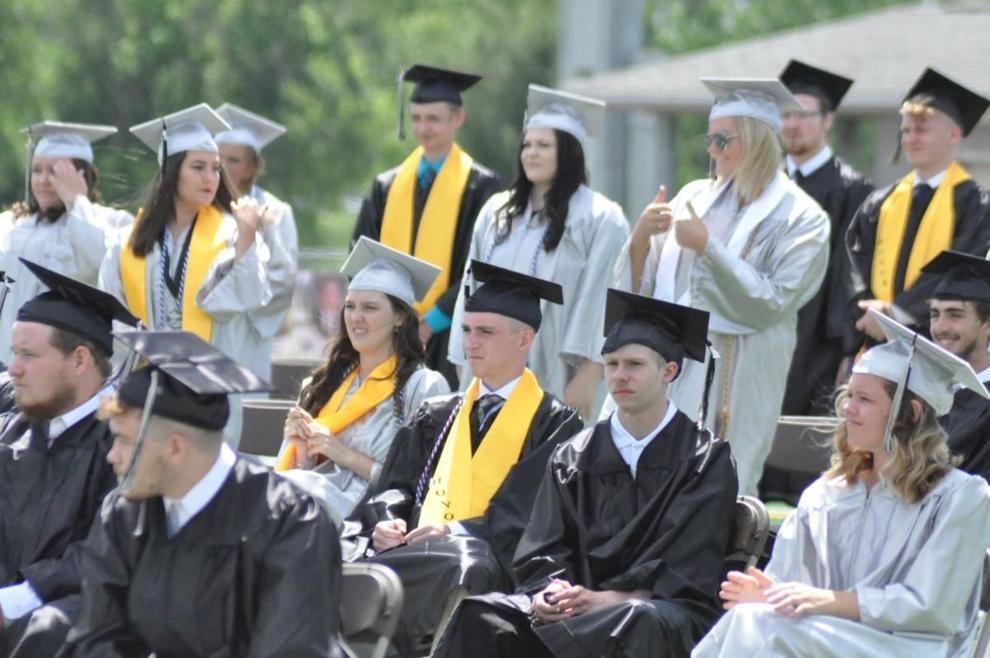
[
  {"x": 963, "y": 277},
  {"x": 75, "y": 307},
  {"x": 195, "y": 378},
  {"x": 510, "y": 293},
  {"x": 433, "y": 85},
  {"x": 671, "y": 330},
  {"x": 965, "y": 107},
  {"x": 803, "y": 78}
]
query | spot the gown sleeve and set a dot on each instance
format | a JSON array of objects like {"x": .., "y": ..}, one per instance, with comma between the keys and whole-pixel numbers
[
  {"x": 102, "y": 628},
  {"x": 234, "y": 287},
  {"x": 283, "y": 247},
  {"x": 583, "y": 339},
  {"x": 369, "y": 219},
  {"x": 932, "y": 595}
]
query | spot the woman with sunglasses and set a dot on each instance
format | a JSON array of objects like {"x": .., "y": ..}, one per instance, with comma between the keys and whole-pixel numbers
[{"x": 746, "y": 245}]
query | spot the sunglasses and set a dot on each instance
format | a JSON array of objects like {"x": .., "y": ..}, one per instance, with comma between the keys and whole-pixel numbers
[{"x": 719, "y": 140}]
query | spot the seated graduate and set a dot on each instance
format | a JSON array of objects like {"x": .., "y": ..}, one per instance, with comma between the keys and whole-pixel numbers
[
  {"x": 198, "y": 552},
  {"x": 459, "y": 483},
  {"x": 372, "y": 384},
  {"x": 959, "y": 311},
  {"x": 884, "y": 553},
  {"x": 628, "y": 536},
  {"x": 53, "y": 448}
]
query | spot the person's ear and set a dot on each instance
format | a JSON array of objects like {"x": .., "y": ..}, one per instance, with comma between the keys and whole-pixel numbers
[
  {"x": 459, "y": 117},
  {"x": 526, "y": 337},
  {"x": 670, "y": 370},
  {"x": 827, "y": 118},
  {"x": 915, "y": 410}
]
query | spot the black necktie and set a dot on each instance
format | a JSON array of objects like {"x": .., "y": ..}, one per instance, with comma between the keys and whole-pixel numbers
[
  {"x": 921, "y": 196},
  {"x": 39, "y": 435},
  {"x": 798, "y": 177},
  {"x": 484, "y": 412},
  {"x": 426, "y": 181}
]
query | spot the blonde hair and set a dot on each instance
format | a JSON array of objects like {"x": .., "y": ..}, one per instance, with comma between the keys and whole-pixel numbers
[
  {"x": 761, "y": 160},
  {"x": 919, "y": 106},
  {"x": 920, "y": 459}
]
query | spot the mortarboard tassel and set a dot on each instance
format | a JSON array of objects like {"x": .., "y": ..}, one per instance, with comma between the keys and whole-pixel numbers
[
  {"x": 402, "y": 105},
  {"x": 895, "y": 404},
  {"x": 149, "y": 403},
  {"x": 164, "y": 143},
  {"x": 714, "y": 356},
  {"x": 29, "y": 147}
]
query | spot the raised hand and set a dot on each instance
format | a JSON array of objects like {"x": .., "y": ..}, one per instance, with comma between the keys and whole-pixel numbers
[
  {"x": 654, "y": 219},
  {"x": 68, "y": 182},
  {"x": 691, "y": 233}
]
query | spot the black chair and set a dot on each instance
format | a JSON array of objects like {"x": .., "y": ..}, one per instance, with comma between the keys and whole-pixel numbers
[
  {"x": 264, "y": 421},
  {"x": 982, "y": 649},
  {"x": 799, "y": 453},
  {"x": 750, "y": 529},
  {"x": 288, "y": 376},
  {"x": 370, "y": 607}
]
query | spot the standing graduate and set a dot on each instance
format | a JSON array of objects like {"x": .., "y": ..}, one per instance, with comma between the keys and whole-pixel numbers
[
  {"x": 187, "y": 263},
  {"x": 551, "y": 225},
  {"x": 240, "y": 156},
  {"x": 427, "y": 206},
  {"x": 959, "y": 313},
  {"x": 200, "y": 553},
  {"x": 884, "y": 553},
  {"x": 825, "y": 333},
  {"x": 937, "y": 206},
  {"x": 53, "y": 448},
  {"x": 350, "y": 410},
  {"x": 458, "y": 486},
  {"x": 751, "y": 248},
  {"x": 62, "y": 224},
  {"x": 624, "y": 550}
]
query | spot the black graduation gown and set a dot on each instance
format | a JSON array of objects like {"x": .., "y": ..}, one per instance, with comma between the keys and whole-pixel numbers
[
  {"x": 968, "y": 427},
  {"x": 972, "y": 236},
  {"x": 6, "y": 393},
  {"x": 481, "y": 184},
  {"x": 255, "y": 573},
  {"x": 666, "y": 531},
  {"x": 824, "y": 328},
  {"x": 480, "y": 561},
  {"x": 48, "y": 501}
]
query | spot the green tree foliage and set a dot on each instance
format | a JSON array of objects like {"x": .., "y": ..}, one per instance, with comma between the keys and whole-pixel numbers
[{"x": 325, "y": 68}]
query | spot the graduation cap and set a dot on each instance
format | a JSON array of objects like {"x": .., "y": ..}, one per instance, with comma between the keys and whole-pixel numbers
[
  {"x": 191, "y": 129},
  {"x": 579, "y": 116},
  {"x": 671, "y": 330},
  {"x": 916, "y": 364},
  {"x": 75, "y": 307},
  {"x": 962, "y": 105},
  {"x": 964, "y": 277},
  {"x": 59, "y": 139},
  {"x": 510, "y": 293},
  {"x": 247, "y": 128},
  {"x": 760, "y": 99},
  {"x": 433, "y": 85},
  {"x": 374, "y": 266},
  {"x": 801, "y": 78}
]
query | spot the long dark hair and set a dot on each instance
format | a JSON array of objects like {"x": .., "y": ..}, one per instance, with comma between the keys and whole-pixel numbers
[
  {"x": 409, "y": 351},
  {"x": 571, "y": 174},
  {"x": 90, "y": 174},
  {"x": 159, "y": 205}
]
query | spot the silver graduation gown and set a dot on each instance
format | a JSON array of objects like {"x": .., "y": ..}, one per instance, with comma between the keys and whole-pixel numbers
[
  {"x": 73, "y": 245},
  {"x": 916, "y": 569},
  {"x": 771, "y": 263},
  {"x": 232, "y": 293},
  {"x": 339, "y": 489},
  {"x": 594, "y": 233}
]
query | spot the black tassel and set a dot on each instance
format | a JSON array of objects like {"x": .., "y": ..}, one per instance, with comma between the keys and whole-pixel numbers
[
  {"x": 164, "y": 143},
  {"x": 402, "y": 105},
  {"x": 709, "y": 379}
]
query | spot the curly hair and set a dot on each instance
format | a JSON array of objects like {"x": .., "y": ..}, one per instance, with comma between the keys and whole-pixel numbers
[
  {"x": 920, "y": 459},
  {"x": 343, "y": 359}
]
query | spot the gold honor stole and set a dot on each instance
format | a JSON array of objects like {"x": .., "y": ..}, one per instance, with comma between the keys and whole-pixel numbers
[
  {"x": 934, "y": 232},
  {"x": 435, "y": 239},
  {"x": 462, "y": 485},
  {"x": 205, "y": 245},
  {"x": 374, "y": 390}
]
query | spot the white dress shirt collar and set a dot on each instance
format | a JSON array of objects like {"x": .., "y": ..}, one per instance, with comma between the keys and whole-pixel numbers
[
  {"x": 504, "y": 392},
  {"x": 984, "y": 376},
  {"x": 811, "y": 165},
  {"x": 933, "y": 182},
  {"x": 200, "y": 495},
  {"x": 60, "y": 424},
  {"x": 629, "y": 447}
]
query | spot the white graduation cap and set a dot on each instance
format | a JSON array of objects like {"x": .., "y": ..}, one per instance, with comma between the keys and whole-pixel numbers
[
  {"x": 912, "y": 361},
  {"x": 373, "y": 266},
  {"x": 579, "y": 116},
  {"x": 191, "y": 129},
  {"x": 247, "y": 128},
  {"x": 59, "y": 139},
  {"x": 762, "y": 99}
]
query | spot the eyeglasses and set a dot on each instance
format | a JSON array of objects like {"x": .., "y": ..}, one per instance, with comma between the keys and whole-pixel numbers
[
  {"x": 719, "y": 140},
  {"x": 799, "y": 114}
]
